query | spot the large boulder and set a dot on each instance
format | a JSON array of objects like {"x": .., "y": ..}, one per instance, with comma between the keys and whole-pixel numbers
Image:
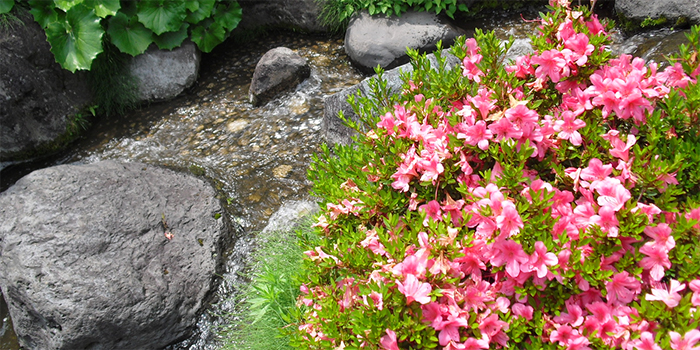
[
  {"x": 36, "y": 95},
  {"x": 379, "y": 40},
  {"x": 334, "y": 128},
  {"x": 672, "y": 10},
  {"x": 163, "y": 74},
  {"x": 87, "y": 261},
  {"x": 298, "y": 15},
  {"x": 278, "y": 70}
]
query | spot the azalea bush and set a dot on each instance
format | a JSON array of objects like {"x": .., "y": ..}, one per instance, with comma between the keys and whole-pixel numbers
[
  {"x": 76, "y": 28},
  {"x": 550, "y": 202}
]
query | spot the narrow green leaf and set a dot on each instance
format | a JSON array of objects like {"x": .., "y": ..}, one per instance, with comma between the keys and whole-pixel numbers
[
  {"x": 161, "y": 16},
  {"x": 66, "y": 5},
  {"x": 43, "y": 12},
  {"x": 129, "y": 35},
  {"x": 228, "y": 17},
  {"x": 208, "y": 37},
  {"x": 75, "y": 38},
  {"x": 203, "y": 11},
  {"x": 104, "y": 8},
  {"x": 6, "y": 6},
  {"x": 171, "y": 40}
]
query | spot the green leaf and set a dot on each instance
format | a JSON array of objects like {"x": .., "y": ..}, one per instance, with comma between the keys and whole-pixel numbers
[
  {"x": 43, "y": 12},
  {"x": 171, "y": 40},
  {"x": 75, "y": 38},
  {"x": 208, "y": 37},
  {"x": 192, "y": 5},
  {"x": 6, "y": 6},
  {"x": 202, "y": 12},
  {"x": 228, "y": 17},
  {"x": 129, "y": 35},
  {"x": 66, "y": 5},
  {"x": 104, "y": 8},
  {"x": 161, "y": 16}
]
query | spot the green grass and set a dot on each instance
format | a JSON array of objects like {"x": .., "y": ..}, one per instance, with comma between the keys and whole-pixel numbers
[
  {"x": 268, "y": 302},
  {"x": 114, "y": 90}
]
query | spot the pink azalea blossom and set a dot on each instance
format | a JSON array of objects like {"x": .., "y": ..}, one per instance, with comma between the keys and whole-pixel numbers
[
  {"x": 540, "y": 259},
  {"x": 623, "y": 288},
  {"x": 687, "y": 342},
  {"x": 413, "y": 289},
  {"x": 655, "y": 261},
  {"x": 670, "y": 297},
  {"x": 607, "y": 221},
  {"x": 661, "y": 234},
  {"x": 646, "y": 342},
  {"x": 509, "y": 253},
  {"x": 573, "y": 316},
  {"x": 478, "y": 135},
  {"x": 389, "y": 340},
  {"x": 695, "y": 287},
  {"x": 611, "y": 193},
  {"x": 551, "y": 64},
  {"x": 509, "y": 221}
]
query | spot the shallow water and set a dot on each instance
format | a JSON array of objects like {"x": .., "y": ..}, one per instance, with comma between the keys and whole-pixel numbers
[{"x": 257, "y": 155}]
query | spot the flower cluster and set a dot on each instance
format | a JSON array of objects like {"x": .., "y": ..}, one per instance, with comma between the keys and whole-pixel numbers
[{"x": 534, "y": 203}]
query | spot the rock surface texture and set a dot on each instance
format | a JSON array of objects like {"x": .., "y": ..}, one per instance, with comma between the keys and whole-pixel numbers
[
  {"x": 36, "y": 94},
  {"x": 278, "y": 70},
  {"x": 164, "y": 74},
  {"x": 85, "y": 263},
  {"x": 380, "y": 40},
  {"x": 297, "y": 14},
  {"x": 335, "y": 130},
  {"x": 639, "y": 10}
]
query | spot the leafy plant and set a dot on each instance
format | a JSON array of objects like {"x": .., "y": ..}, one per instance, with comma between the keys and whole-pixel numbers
[
  {"x": 545, "y": 203},
  {"x": 268, "y": 302},
  {"x": 75, "y": 28}
]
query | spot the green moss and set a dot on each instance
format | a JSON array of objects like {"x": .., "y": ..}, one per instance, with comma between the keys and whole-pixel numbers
[{"x": 197, "y": 170}]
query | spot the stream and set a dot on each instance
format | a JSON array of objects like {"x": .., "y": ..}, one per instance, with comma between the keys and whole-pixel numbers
[{"x": 258, "y": 156}]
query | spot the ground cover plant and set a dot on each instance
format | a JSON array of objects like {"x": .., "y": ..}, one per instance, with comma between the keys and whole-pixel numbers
[
  {"x": 75, "y": 28},
  {"x": 550, "y": 202}
]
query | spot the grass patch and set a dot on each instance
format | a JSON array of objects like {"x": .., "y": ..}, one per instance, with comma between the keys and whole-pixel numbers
[
  {"x": 268, "y": 303},
  {"x": 113, "y": 88}
]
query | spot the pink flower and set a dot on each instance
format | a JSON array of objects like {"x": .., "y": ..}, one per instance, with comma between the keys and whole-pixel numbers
[
  {"x": 671, "y": 297},
  {"x": 568, "y": 126},
  {"x": 695, "y": 287},
  {"x": 505, "y": 130},
  {"x": 612, "y": 193},
  {"x": 478, "y": 134},
  {"x": 563, "y": 335},
  {"x": 688, "y": 341},
  {"x": 646, "y": 342},
  {"x": 413, "y": 289},
  {"x": 521, "y": 115},
  {"x": 573, "y": 316},
  {"x": 655, "y": 261},
  {"x": 469, "y": 344},
  {"x": 389, "y": 340},
  {"x": 522, "y": 310},
  {"x": 623, "y": 288},
  {"x": 606, "y": 220},
  {"x": 509, "y": 221},
  {"x": 661, "y": 234},
  {"x": 540, "y": 259},
  {"x": 491, "y": 326},
  {"x": 483, "y": 102},
  {"x": 552, "y": 64},
  {"x": 509, "y": 253}
]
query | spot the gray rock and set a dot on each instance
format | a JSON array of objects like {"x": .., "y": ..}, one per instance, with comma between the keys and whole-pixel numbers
[
  {"x": 36, "y": 94},
  {"x": 85, "y": 263},
  {"x": 378, "y": 40},
  {"x": 298, "y": 14},
  {"x": 163, "y": 74},
  {"x": 289, "y": 214},
  {"x": 278, "y": 70},
  {"x": 334, "y": 128},
  {"x": 640, "y": 10}
]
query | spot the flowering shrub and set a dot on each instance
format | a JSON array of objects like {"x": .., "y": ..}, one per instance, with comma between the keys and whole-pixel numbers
[{"x": 545, "y": 203}]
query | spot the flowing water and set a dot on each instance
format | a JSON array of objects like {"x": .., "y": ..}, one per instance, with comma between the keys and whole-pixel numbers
[{"x": 257, "y": 155}]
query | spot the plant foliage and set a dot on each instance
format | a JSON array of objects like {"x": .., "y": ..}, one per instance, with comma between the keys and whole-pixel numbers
[
  {"x": 75, "y": 28},
  {"x": 550, "y": 202}
]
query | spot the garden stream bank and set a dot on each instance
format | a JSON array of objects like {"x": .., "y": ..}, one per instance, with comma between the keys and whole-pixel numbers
[{"x": 257, "y": 155}]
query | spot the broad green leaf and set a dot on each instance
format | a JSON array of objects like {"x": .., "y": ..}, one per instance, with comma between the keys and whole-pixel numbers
[
  {"x": 43, "y": 12},
  {"x": 161, "y": 16},
  {"x": 192, "y": 5},
  {"x": 129, "y": 35},
  {"x": 6, "y": 6},
  {"x": 202, "y": 12},
  {"x": 75, "y": 38},
  {"x": 66, "y": 5},
  {"x": 104, "y": 8},
  {"x": 228, "y": 17},
  {"x": 171, "y": 40},
  {"x": 208, "y": 37}
]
